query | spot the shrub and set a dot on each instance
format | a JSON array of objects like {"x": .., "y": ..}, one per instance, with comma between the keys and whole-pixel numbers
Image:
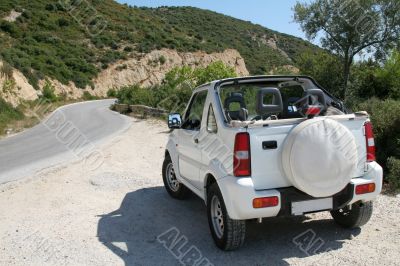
[
  {"x": 214, "y": 71},
  {"x": 6, "y": 71},
  {"x": 112, "y": 93},
  {"x": 9, "y": 86},
  {"x": 121, "y": 67},
  {"x": 162, "y": 60},
  {"x": 325, "y": 68},
  {"x": 50, "y": 7},
  {"x": 87, "y": 96},
  {"x": 48, "y": 93},
  {"x": 135, "y": 95},
  {"x": 385, "y": 117},
  {"x": 128, "y": 49},
  {"x": 370, "y": 79},
  {"x": 394, "y": 173},
  {"x": 176, "y": 88},
  {"x": 62, "y": 22},
  {"x": 364, "y": 83},
  {"x": 9, "y": 28},
  {"x": 390, "y": 74},
  {"x": 8, "y": 114}
]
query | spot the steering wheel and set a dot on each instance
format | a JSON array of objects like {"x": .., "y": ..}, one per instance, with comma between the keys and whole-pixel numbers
[{"x": 256, "y": 118}]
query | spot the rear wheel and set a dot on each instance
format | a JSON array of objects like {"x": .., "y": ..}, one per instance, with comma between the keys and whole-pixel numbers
[
  {"x": 228, "y": 234},
  {"x": 175, "y": 188},
  {"x": 357, "y": 216}
]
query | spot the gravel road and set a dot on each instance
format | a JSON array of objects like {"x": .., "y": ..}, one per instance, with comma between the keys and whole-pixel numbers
[{"x": 119, "y": 214}]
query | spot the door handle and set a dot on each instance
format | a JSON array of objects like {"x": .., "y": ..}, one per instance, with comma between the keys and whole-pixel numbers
[
  {"x": 270, "y": 145},
  {"x": 196, "y": 141}
]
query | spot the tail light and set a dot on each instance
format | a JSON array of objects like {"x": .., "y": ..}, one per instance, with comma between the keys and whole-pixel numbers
[
  {"x": 370, "y": 142},
  {"x": 241, "y": 155},
  {"x": 364, "y": 189},
  {"x": 265, "y": 202}
]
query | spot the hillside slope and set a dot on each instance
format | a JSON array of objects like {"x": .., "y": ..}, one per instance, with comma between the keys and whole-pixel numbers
[{"x": 42, "y": 38}]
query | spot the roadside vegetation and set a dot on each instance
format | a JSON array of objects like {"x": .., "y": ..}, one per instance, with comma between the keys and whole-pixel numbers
[
  {"x": 8, "y": 114},
  {"x": 176, "y": 88},
  {"x": 46, "y": 41}
]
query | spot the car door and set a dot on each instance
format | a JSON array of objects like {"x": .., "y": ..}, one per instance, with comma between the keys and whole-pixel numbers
[{"x": 188, "y": 145}]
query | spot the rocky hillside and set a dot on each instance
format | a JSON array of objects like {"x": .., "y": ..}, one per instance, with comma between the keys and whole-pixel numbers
[
  {"x": 147, "y": 70},
  {"x": 100, "y": 44}
]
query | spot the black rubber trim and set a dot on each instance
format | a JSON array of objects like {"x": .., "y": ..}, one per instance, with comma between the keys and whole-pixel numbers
[
  {"x": 291, "y": 194},
  {"x": 270, "y": 145}
]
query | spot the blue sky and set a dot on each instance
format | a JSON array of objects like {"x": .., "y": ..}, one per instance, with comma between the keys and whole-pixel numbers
[{"x": 273, "y": 14}]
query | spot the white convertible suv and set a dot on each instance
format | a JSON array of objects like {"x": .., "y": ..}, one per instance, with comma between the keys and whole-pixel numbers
[{"x": 271, "y": 146}]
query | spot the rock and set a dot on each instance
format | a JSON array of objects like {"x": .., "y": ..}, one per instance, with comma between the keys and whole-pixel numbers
[
  {"x": 12, "y": 17},
  {"x": 148, "y": 71},
  {"x": 121, "y": 108},
  {"x": 20, "y": 89},
  {"x": 145, "y": 70}
]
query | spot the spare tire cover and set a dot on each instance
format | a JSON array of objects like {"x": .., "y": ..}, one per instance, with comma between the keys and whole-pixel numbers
[{"x": 320, "y": 157}]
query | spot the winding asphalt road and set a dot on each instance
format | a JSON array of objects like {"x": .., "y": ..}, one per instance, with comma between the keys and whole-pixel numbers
[{"x": 72, "y": 132}]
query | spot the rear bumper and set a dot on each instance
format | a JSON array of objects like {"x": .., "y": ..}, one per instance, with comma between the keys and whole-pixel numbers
[{"x": 239, "y": 193}]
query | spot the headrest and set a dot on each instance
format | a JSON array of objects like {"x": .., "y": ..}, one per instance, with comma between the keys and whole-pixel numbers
[
  {"x": 316, "y": 97},
  {"x": 276, "y": 106},
  {"x": 234, "y": 97}
]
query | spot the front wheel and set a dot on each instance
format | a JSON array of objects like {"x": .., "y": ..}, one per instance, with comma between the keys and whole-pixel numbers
[
  {"x": 174, "y": 188},
  {"x": 356, "y": 216},
  {"x": 228, "y": 234}
]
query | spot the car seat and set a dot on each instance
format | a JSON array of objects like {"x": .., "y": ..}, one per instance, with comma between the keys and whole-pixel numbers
[{"x": 242, "y": 113}]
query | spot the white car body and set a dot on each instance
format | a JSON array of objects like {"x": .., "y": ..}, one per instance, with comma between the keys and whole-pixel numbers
[{"x": 201, "y": 156}]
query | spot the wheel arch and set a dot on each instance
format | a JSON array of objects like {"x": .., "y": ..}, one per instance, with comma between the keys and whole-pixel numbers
[{"x": 208, "y": 181}]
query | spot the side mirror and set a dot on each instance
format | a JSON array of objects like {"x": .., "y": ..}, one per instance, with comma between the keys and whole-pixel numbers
[{"x": 174, "y": 121}]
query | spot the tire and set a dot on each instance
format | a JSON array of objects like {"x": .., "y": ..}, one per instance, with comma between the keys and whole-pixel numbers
[
  {"x": 174, "y": 188},
  {"x": 358, "y": 216},
  {"x": 228, "y": 234}
]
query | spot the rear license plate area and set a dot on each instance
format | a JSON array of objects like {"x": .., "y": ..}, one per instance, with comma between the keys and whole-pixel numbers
[{"x": 301, "y": 207}]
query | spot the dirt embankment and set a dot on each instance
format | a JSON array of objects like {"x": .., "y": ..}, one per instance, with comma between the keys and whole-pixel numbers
[
  {"x": 113, "y": 216},
  {"x": 145, "y": 70}
]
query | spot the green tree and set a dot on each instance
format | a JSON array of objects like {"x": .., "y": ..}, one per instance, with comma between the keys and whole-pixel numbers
[
  {"x": 214, "y": 71},
  {"x": 325, "y": 68},
  {"x": 365, "y": 84},
  {"x": 180, "y": 82},
  {"x": 351, "y": 27},
  {"x": 390, "y": 73},
  {"x": 180, "y": 76},
  {"x": 371, "y": 79}
]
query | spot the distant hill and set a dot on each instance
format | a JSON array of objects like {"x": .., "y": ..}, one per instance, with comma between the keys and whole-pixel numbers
[{"x": 41, "y": 39}]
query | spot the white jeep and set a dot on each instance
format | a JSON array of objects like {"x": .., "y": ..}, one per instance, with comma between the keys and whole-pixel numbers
[{"x": 271, "y": 146}]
